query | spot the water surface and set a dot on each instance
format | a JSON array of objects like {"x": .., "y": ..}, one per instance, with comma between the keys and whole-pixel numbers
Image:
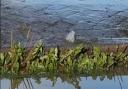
[
  {"x": 117, "y": 82},
  {"x": 51, "y": 20}
]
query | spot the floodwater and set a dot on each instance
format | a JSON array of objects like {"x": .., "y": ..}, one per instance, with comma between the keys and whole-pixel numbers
[
  {"x": 95, "y": 21},
  {"x": 117, "y": 82}
]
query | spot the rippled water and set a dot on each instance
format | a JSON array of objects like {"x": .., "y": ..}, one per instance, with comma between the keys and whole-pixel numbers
[
  {"x": 51, "y": 20},
  {"x": 115, "y": 4},
  {"x": 20, "y": 11},
  {"x": 94, "y": 2}
]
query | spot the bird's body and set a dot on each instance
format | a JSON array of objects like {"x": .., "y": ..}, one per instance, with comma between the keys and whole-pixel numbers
[{"x": 71, "y": 37}]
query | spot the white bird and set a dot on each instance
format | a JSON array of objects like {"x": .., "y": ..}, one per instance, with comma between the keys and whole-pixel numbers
[{"x": 71, "y": 37}]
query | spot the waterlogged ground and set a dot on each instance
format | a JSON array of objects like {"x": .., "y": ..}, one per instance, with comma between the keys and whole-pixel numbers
[{"x": 50, "y": 20}]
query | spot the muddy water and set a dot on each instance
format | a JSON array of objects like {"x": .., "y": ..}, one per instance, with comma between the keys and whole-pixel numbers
[{"x": 94, "y": 21}]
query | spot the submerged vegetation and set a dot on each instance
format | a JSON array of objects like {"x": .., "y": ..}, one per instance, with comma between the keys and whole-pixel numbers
[{"x": 38, "y": 60}]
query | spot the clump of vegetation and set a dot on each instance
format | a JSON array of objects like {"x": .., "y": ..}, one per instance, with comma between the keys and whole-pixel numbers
[{"x": 38, "y": 60}]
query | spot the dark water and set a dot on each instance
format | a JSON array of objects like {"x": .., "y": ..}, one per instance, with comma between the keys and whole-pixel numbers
[{"x": 117, "y": 82}]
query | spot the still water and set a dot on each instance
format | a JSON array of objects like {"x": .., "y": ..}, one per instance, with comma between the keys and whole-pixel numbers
[{"x": 100, "y": 82}]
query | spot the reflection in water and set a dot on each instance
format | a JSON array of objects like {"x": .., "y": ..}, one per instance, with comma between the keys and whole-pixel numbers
[{"x": 67, "y": 82}]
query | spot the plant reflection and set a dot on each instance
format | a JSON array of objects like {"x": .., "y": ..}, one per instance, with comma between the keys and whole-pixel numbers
[{"x": 71, "y": 79}]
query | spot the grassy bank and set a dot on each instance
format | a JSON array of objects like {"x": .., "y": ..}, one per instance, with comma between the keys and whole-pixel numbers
[{"x": 81, "y": 59}]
